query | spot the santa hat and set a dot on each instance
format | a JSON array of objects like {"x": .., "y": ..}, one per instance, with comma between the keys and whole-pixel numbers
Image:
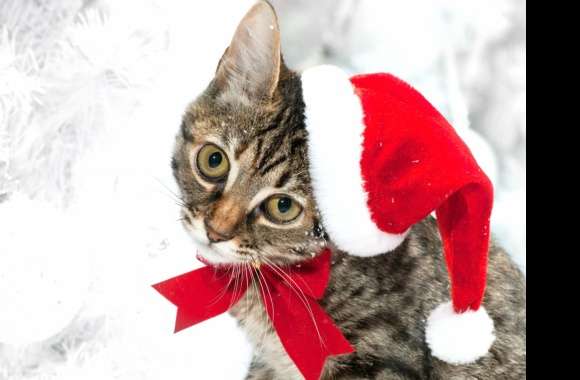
[{"x": 381, "y": 159}]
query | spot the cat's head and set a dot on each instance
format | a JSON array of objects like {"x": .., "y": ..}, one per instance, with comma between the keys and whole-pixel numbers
[{"x": 240, "y": 158}]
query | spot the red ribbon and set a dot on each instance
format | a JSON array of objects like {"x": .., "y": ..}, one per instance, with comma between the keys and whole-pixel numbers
[{"x": 290, "y": 296}]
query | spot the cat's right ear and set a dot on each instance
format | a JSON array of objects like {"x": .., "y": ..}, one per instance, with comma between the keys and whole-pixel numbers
[{"x": 250, "y": 66}]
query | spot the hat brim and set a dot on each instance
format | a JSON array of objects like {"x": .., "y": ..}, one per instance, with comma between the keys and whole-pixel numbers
[{"x": 334, "y": 120}]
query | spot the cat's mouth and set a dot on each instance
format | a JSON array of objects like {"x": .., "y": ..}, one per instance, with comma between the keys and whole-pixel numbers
[
  {"x": 203, "y": 260},
  {"x": 220, "y": 253},
  {"x": 217, "y": 254}
]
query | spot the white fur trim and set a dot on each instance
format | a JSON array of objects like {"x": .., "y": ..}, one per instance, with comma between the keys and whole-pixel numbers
[
  {"x": 459, "y": 338},
  {"x": 334, "y": 120}
]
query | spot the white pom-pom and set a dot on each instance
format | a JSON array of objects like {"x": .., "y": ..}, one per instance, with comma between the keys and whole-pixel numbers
[{"x": 459, "y": 338}]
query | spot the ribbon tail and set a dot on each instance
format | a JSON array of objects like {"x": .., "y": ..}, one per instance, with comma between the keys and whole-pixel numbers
[
  {"x": 199, "y": 295},
  {"x": 307, "y": 333}
]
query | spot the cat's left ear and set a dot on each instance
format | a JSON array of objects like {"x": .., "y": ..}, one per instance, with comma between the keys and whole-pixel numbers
[{"x": 251, "y": 64}]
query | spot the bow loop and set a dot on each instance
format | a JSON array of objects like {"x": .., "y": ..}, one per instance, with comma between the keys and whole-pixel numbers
[
  {"x": 199, "y": 295},
  {"x": 307, "y": 333}
]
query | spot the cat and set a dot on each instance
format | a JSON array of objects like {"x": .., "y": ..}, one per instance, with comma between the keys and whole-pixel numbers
[{"x": 241, "y": 163}]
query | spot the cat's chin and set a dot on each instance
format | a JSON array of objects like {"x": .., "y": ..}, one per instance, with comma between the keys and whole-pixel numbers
[
  {"x": 217, "y": 254},
  {"x": 209, "y": 256},
  {"x": 211, "y": 259}
]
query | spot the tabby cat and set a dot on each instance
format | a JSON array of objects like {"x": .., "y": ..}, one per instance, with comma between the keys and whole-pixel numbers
[{"x": 241, "y": 163}]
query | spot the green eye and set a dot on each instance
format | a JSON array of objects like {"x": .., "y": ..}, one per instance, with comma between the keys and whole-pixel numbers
[
  {"x": 212, "y": 162},
  {"x": 282, "y": 209}
]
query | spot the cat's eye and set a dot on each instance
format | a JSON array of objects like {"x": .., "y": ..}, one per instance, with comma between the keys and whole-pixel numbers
[
  {"x": 212, "y": 162},
  {"x": 281, "y": 208}
]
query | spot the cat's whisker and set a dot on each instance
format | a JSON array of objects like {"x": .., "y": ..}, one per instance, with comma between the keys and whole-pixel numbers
[
  {"x": 294, "y": 286},
  {"x": 248, "y": 280},
  {"x": 267, "y": 288},
  {"x": 263, "y": 294},
  {"x": 254, "y": 286},
  {"x": 225, "y": 289},
  {"x": 236, "y": 284},
  {"x": 172, "y": 195}
]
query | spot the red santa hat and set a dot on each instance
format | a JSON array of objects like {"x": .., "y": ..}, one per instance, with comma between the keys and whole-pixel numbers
[{"x": 382, "y": 158}]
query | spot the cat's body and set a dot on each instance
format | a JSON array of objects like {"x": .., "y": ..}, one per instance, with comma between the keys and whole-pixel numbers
[
  {"x": 381, "y": 303},
  {"x": 242, "y": 164}
]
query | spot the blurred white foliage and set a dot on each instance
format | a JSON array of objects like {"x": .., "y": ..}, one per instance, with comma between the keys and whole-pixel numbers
[
  {"x": 41, "y": 298},
  {"x": 102, "y": 56},
  {"x": 91, "y": 94},
  {"x": 91, "y": 97},
  {"x": 19, "y": 91}
]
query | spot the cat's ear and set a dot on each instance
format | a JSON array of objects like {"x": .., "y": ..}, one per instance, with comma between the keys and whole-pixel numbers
[{"x": 251, "y": 64}]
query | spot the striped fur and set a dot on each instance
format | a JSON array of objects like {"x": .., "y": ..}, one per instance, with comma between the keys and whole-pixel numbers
[{"x": 380, "y": 302}]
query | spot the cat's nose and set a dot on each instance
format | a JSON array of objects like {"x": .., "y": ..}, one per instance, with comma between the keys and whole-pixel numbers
[
  {"x": 224, "y": 218},
  {"x": 215, "y": 236}
]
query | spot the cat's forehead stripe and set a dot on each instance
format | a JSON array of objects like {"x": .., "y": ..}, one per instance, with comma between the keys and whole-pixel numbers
[
  {"x": 269, "y": 153},
  {"x": 273, "y": 165},
  {"x": 283, "y": 180}
]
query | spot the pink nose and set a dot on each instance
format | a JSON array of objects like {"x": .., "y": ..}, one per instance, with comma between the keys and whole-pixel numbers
[
  {"x": 215, "y": 236},
  {"x": 224, "y": 218}
]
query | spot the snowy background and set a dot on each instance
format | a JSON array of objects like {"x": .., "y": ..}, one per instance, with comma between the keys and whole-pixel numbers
[{"x": 91, "y": 95}]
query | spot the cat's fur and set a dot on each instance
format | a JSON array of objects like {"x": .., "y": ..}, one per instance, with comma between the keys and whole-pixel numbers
[{"x": 253, "y": 110}]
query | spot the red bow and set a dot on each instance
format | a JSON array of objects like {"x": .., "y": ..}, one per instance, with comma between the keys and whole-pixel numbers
[{"x": 290, "y": 296}]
